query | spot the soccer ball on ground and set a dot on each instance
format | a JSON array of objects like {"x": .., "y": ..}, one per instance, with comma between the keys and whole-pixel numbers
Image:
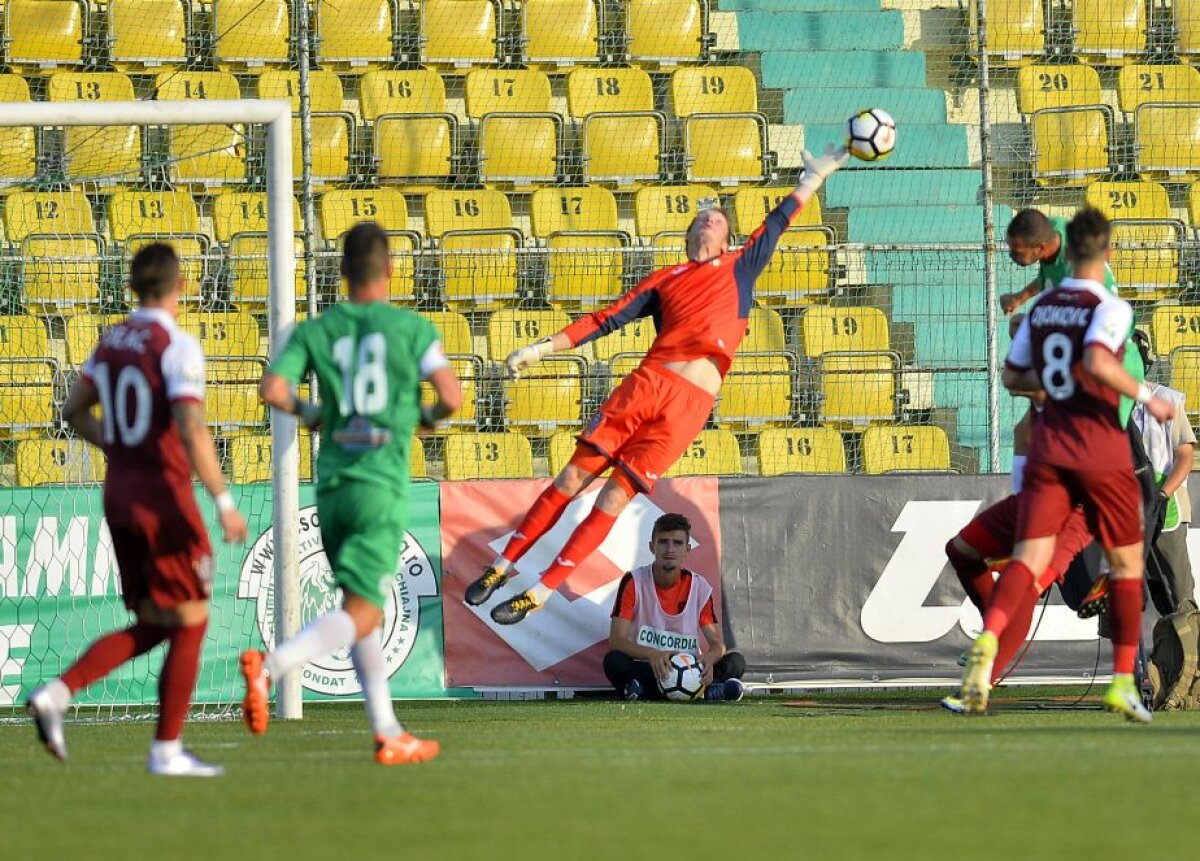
[
  {"x": 871, "y": 135},
  {"x": 682, "y": 682}
]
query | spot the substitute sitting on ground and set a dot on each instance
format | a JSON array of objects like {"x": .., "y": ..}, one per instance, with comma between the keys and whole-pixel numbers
[{"x": 663, "y": 609}]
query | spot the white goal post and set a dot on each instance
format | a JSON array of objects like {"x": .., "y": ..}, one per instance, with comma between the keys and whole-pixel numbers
[{"x": 276, "y": 116}]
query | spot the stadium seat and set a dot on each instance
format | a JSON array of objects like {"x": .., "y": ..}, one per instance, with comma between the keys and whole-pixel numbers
[
  {"x": 469, "y": 370},
  {"x": 342, "y": 209},
  {"x": 138, "y": 217},
  {"x": 354, "y": 36},
  {"x": 547, "y": 397},
  {"x": 459, "y": 34},
  {"x": 248, "y": 272},
  {"x": 415, "y": 148},
  {"x": 725, "y": 149},
  {"x": 1016, "y": 30},
  {"x": 248, "y": 457},
  {"x": 1123, "y": 200},
  {"x": 1109, "y": 32},
  {"x": 622, "y": 149},
  {"x": 856, "y": 388},
  {"x": 520, "y": 149},
  {"x": 206, "y": 155},
  {"x": 332, "y": 129},
  {"x": 621, "y": 366},
  {"x": 559, "y": 32},
  {"x": 1167, "y": 142},
  {"x": 905, "y": 449},
  {"x": 757, "y": 391},
  {"x": 511, "y": 328},
  {"x": 18, "y": 144},
  {"x": 664, "y": 32},
  {"x": 1193, "y": 205},
  {"x": 1187, "y": 29},
  {"x": 222, "y": 333},
  {"x": 60, "y": 247},
  {"x": 1185, "y": 377},
  {"x": 57, "y": 461},
  {"x": 585, "y": 263},
  {"x": 752, "y": 205},
  {"x": 235, "y": 212},
  {"x": 455, "y": 332},
  {"x": 631, "y": 341},
  {"x": 479, "y": 246},
  {"x": 764, "y": 332},
  {"x": 1070, "y": 145},
  {"x": 83, "y": 333},
  {"x": 23, "y": 336},
  {"x": 843, "y": 329},
  {"x": 1175, "y": 326},
  {"x": 713, "y": 452},
  {"x": 148, "y": 34},
  {"x": 231, "y": 394},
  {"x": 554, "y": 210},
  {"x": 98, "y": 153},
  {"x": 474, "y": 456},
  {"x": 1146, "y": 274},
  {"x": 591, "y": 91},
  {"x": 324, "y": 89},
  {"x": 251, "y": 35},
  {"x": 1137, "y": 85},
  {"x": 27, "y": 376},
  {"x": 418, "y": 467},
  {"x": 506, "y": 91},
  {"x": 1043, "y": 87},
  {"x": 800, "y": 450},
  {"x": 407, "y": 91},
  {"x": 45, "y": 34},
  {"x": 668, "y": 208},
  {"x": 559, "y": 450},
  {"x": 799, "y": 271},
  {"x": 713, "y": 90}
]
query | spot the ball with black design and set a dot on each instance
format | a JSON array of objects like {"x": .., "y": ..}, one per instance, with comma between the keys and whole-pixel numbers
[
  {"x": 682, "y": 682},
  {"x": 871, "y": 134}
]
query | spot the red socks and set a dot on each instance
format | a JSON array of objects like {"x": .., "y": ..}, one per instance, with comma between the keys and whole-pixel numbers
[
  {"x": 1015, "y": 581},
  {"x": 178, "y": 679},
  {"x": 973, "y": 574},
  {"x": 1125, "y": 619},
  {"x": 1013, "y": 636},
  {"x": 587, "y": 536},
  {"x": 109, "y": 652},
  {"x": 540, "y": 519}
]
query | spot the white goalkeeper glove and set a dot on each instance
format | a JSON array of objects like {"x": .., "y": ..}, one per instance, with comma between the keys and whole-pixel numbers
[
  {"x": 527, "y": 356},
  {"x": 818, "y": 168}
]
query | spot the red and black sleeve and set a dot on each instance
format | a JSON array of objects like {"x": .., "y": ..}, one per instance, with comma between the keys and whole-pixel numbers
[
  {"x": 626, "y": 601},
  {"x": 641, "y": 301}
]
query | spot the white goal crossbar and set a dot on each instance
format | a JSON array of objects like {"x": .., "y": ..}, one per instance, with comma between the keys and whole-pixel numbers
[{"x": 276, "y": 116}]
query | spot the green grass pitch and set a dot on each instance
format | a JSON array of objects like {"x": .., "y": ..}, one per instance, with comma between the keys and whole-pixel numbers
[{"x": 875, "y": 777}]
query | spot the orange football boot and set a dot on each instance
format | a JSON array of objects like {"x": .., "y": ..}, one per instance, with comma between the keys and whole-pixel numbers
[
  {"x": 404, "y": 749},
  {"x": 256, "y": 707}
]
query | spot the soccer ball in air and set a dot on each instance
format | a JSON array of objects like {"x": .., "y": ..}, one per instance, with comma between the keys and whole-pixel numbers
[
  {"x": 871, "y": 134},
  {"x": 682, "y": 682}
]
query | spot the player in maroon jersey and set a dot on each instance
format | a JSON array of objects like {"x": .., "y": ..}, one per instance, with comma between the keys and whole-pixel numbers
[
  {"x": 700, "y": 309},
  {"x": 148, "y": 378},
  {"x": 1070, "y": 346}
]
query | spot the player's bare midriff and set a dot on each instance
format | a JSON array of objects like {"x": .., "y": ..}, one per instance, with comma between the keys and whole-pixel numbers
[{"x": 698, "y": 372}]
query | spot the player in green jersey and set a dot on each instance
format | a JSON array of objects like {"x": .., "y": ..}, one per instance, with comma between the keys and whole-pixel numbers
[{"x": 369, "y": 359}]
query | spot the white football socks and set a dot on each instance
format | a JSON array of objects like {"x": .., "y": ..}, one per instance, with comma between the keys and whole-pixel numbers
[
  {"x": 59, "y": 693},
  {"x": 322, "y": 636},
  {"x": 502, "y": 565},
  {"x": 367, "y": 655},
  {"x": 540, "y": 592}
]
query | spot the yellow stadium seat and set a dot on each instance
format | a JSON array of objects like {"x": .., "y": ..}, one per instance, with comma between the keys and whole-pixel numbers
[
  {"x": 248, "y": 457},
  {"x": 554, "y": 210},
  {"x": 83, "y": 333},
  {"x": 1070, "y": 145},
  {"x": 547, "y": 397},
  {"x": 507, "y": 91},
  {"x": 1138, "y": 85},
  {"x": 800, "y": 450},
  {"x": 23, "y": 336},
  {"x": 237, "y": 212},
  {"x": 152, "y": 213},
  {"x": 45, "y": 34},
  {"x": 60, "y": 247},
  {"x": 112, "y": 153},
  {"x": 1167, "y": 142},
  {"x": 713, "y": 90},
  {"x": 668, "y": 208},
  {"x": 469, "y": 370},
  {"x": 415, "y": 148},
  {"x": 55, "y": 213},
  {"x": 856, "y": 389},
  {"x": 1016, "y": 30},
  {"x": 251, "y": 35},
  {"x": 249, "y": 278},
  {"x": 713, "y": 452},
  {"x": 1146, "y": 274},
  {"x": 407, "y": 91},
  {"x": 188, "y": 84},
  {"x": 1185, "y": 377},
  {"x": 342, "y": 209},
  {"x": 511, "y": 328},
  {"x": 622, "y": 148},
  {"x": 560, "y": 32},
  {"x": 472, "y": 209},
  {"x": 1175, "y": 326},
  {"x": 459, "y": 33},
  {"x": 521, "y": 149},
  {"x": 1119, "y": 200},
  {"x": 354, "y": 36},
  {"x": 1187, "y": 29},
  {"x": 632, "y": 340},
  {"x": 756, "y": 392},
  {"x": 148, "y": 34},
  {"x": 1193, "y": 204},
  {"x": 798, "y": 273},
  {"x": 725, "y": 149},
  {"x": 905, "y": 449},
  {"x": 474, "y": 456},
  {"x": 591, "y": 91},
  {"x": 1042, "y": 87},
  {"x": 764, "y": 332},
  {"x": 664, "y": 32},
  {"x": 222, "y": 333},
  {"x": 26, "y": 377},
  {"x": 844, "y": 329},
  {"x": 669, "y": 249},
  {"x": 751, "y": 206},
  {"x": 621, "y": 366},
  {"x": 1108, "y": 32},
  {"x": 209, "y": 154},
  {"x": 418, "y": 467},
  {"x": 585, "y": 269},
  {"x": 18, "y": 144},
  {"x": 454, "y": 330},
  {"x": 559, "y": 450},
  {"x": 229, "y": 405},
  {"x": 479, "y": 245},
  {"x": 324, "y": 89},
  {"x": 332, "y": 137},
  {"x": 57, "y": 461}
]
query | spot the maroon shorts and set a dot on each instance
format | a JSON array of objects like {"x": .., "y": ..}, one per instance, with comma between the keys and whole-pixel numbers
[
  {"x": 648, "y": 422},
  {"x": 1111, "y": 501},
  {"x": 992, "y": 534},
  {"x": 161, "y": 548}
]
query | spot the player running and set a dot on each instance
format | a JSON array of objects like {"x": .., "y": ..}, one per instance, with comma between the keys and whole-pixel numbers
[
  {"x": 1070, "y": 346},
  {"x": 700, "y": 309},
  {"x": 148, "y": 378},
  {"x": 370, "y": 359}
]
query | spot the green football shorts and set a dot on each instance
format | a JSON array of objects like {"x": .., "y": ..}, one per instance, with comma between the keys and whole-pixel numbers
[{"x": 362, "y": 528}]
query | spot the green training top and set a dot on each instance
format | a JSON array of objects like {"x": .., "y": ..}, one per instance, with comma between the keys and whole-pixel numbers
[{"x": 367, "y": 358}]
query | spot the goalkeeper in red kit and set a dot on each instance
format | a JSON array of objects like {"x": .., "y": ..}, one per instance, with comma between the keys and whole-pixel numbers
[{"x": 700, "y": 309}]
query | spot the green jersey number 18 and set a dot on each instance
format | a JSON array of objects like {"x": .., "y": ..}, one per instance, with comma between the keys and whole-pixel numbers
[{"x": 364, "y": 374}]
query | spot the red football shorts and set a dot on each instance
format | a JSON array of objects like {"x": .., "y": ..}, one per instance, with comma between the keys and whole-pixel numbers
[
  {"x": 161, "y": 548},
  {"x": 993, "y": 532},
  {"x": 648, "y": 422},
  {"x": 1111, "y": 501}
]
